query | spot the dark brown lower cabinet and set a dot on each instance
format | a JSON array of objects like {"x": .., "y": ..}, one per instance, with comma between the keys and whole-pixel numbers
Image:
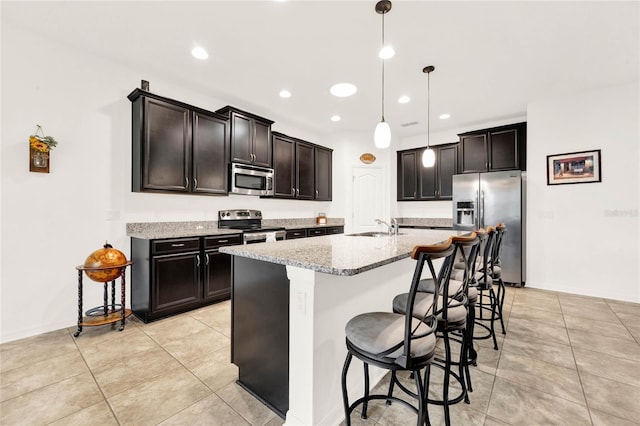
[
  {"x": 317, "y": 231},
  {"x": 217, "y": 268},
  {"x": 171, "y": 276},
  {"x": 293, "y": 234},
  {"x": 176, "y": 282}
]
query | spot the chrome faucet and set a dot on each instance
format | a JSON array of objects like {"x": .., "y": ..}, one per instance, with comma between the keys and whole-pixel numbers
[
  {"x": 391, "y": 229},
  {"x": 394, "y": 226}
]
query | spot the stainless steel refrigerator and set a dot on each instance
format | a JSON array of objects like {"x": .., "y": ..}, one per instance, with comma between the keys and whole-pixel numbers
[{"x": 485, "y": 199}]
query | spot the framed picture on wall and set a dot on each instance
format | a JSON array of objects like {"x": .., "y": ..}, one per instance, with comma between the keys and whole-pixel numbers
[{"x": 574, "y": 167}]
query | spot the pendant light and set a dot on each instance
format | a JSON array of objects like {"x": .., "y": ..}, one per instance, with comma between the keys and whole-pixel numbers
[
  {"x": 429, "y": 155},
  {"x": 382, "y": 134}
]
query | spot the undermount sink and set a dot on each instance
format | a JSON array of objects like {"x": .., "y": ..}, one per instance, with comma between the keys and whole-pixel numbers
[{"x": 372, "y": 234}]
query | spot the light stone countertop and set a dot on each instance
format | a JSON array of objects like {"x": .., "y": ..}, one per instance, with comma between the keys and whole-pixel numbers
[
  {"x": 341, "y": 254},
  {"x": 158, "y": 230},
  {"x": 426, "y": 222}
]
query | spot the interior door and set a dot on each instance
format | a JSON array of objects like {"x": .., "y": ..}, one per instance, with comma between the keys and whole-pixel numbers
[{"x": 368, "y": 200}]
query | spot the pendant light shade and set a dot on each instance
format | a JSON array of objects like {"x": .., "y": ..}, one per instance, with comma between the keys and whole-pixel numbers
[
  {"x": 429, "y": 155},
  {"x": 382, "y": 135}
]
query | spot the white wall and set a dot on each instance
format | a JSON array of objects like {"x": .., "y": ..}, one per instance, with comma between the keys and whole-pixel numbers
[
  {"x": 584, "y": 238},
  {"x": 51, "y": 222}
]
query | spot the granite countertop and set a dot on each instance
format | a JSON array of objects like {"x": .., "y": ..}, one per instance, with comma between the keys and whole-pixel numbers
[
  {"x": 158, "y": 230},
  {"x": 430, "y": 222},
  {"x": 341, "y": 254}
]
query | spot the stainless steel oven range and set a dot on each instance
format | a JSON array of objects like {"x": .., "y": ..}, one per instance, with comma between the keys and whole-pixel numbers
[{"x": 250, "y": 223}]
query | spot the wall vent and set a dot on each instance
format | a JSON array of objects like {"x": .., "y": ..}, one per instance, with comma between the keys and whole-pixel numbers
[{"x": 411, "y": 123}]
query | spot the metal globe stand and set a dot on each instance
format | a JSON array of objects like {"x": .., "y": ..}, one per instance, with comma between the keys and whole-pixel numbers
[{"x": 108, "y": 313}]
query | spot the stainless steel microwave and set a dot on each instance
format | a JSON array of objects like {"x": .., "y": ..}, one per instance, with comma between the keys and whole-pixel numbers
[{"x": 251, "y": 180}]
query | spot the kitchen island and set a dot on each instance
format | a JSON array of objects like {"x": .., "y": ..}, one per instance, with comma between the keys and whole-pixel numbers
[{"x": 290, "y": 303}]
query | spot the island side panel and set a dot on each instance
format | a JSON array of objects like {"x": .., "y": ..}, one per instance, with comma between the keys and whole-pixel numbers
[
  {"x": 260, "y": 330},
  {"x": 321, "y": 305}
]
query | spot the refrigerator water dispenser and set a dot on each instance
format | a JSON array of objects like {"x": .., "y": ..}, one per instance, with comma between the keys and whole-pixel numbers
[{"x": 465, "y": 213}]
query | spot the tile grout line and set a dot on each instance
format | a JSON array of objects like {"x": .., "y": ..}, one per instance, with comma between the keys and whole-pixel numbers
[
  {"x": 584, "y": 394},
  {"x": 623, "y": 323},
  {"x": 213, "y": 392},
  {"x": 94, "y": 380}
]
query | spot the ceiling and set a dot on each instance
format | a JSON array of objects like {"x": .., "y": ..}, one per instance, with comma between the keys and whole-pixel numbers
[{"x": 491, "y": 58}]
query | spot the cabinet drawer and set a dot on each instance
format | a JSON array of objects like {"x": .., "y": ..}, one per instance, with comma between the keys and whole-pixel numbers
[
  {"x": 317, "y": 232},
  {"x": 335, "y": 230},
  {"x": 175, "y": 246},
  {"x": 222, "y": 240},
  {"x": 296, "y": 233}
]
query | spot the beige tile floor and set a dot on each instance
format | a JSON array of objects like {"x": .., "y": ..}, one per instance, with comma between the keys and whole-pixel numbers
[{"x": 565, "y": 360}]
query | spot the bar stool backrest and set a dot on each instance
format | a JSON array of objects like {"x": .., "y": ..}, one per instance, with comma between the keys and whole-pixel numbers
[
  {"x": 424, "y": 254},
  {"x": 486, "y": 257},
  {"x": 501, "y": 230},
  {"x": 465, "y": 248}
]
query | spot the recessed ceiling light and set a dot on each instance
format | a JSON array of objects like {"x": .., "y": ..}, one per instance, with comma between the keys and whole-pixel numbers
[
  {"x": 285, "y": 94},
  {"x": 342, "y": 90},
  {"x": 444, "y": 116},
  {"x": 404, "y": 99},
  {"x": 199, "y": 53},
  {"x": 386, "y": 52},
  {"x": 335, "y": 118}
]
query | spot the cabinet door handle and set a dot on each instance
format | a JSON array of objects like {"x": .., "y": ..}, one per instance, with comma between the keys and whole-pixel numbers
[
  {"x": 177, "y": 245},
  {"x": 293, "y": 191},
  {"x": 222, "y": 241},
  {"x": 297, "y": 192},
  {"x": 197, "y": 260},
  {"x": 195, "y": 183},
  {"x": 317, "y": 193},
  {"x": 206, "y": 258},
  {"x": 186, "y": 182}
]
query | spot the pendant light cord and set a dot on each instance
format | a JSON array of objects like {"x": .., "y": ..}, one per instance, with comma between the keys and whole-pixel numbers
[
  {"x": 383, "y": 67},
  {"x": 428, "y": 109}
]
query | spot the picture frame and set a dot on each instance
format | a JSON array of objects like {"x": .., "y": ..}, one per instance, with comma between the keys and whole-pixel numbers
[{"x": 574, "y": 167}]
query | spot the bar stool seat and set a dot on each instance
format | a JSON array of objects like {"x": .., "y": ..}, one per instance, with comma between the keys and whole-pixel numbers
[{"x": 376, "y": 332}]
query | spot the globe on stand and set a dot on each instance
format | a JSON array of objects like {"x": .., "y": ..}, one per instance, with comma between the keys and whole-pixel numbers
[{"x": 105, "y": 264}]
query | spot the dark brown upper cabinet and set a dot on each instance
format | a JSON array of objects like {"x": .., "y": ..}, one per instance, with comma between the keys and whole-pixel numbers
[
  {"x": 284, "y": 167},
  {"x": 305, "y": 171},
  {"x": 419, "y": 183},
  {"x": 407, "y": 175},
  {"x": 323, "y": 177},
  {"x": 497, "y": 148},
  {"x": 302, "y": 170},
  {"x": 250, "y": 137},
  {"x": 177, "y": 147}
]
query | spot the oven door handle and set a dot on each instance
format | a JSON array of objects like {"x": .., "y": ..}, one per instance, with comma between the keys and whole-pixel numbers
[{"x": 254, "y": 238}]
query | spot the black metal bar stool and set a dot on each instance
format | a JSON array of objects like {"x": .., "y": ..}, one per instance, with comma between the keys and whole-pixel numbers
[
  {"x": 451, "y": 314},
  {"x": 399, "y": 342},
  {"x": 488, "y": 275},
  {"x": 484, "y": 283}
]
